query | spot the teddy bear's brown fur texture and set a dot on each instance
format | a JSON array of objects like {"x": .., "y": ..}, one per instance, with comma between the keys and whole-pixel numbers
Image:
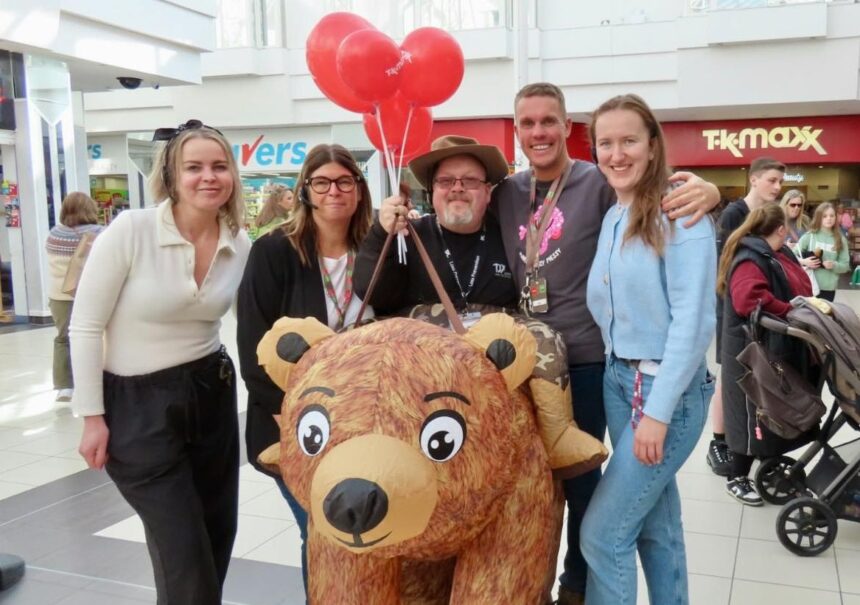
[{"x": 415, "y": 453}]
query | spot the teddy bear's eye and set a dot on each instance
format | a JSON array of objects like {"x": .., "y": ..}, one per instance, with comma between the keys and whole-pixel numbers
[
  {"x": 313, "y": 429},
  {"x": 443, "y": 435}
]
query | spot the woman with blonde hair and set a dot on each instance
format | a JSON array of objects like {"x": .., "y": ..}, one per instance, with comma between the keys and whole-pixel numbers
[
  {"x": 825, "y": 250},
  {"x": 154, "y": 383},
  {"x": 79, "y": 214},
  {"x": 303, "y": 269},
  {"x": 276, "y": 209},
  {"x": 650, "y": 290},
  {"x": 756, "y": 269},
  {"x": 794, "y": 204}
]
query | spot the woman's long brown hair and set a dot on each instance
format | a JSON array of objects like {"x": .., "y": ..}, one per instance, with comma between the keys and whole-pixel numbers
[
  {"x": 818, "y": 217},
  {"x": 761, "y": 222},
  {"x": 300, "y": 224},
  {"x": 646, "y": 221},
  {"x": 272, "y": 208}
]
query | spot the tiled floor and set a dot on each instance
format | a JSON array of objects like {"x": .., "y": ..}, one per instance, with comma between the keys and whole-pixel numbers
[{"x": 84, "y": 545}]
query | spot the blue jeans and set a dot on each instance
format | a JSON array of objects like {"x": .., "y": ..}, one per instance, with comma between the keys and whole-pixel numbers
[
  {"x": 637, "y": 506},
  {"x": 586, "y": 385},
  {"x": 302, "y": 521}
]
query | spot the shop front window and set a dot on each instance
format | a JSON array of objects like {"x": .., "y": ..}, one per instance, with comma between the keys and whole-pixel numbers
[
  {"x": 698, "y": 6},
  {"x": 399, "y": 18},
  {"x": 250, "y": 24}
]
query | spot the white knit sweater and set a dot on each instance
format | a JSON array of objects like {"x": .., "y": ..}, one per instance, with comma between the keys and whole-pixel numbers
[{"x": 138, "y": 309}]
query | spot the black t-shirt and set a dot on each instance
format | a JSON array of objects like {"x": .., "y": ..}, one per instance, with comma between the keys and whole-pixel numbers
[
  {"x": 402, "y": 286},
  {"x": 732, "y": 217}
]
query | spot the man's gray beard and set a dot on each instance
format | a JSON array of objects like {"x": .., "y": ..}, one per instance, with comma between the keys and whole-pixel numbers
[{"x": 458, "y": 219}]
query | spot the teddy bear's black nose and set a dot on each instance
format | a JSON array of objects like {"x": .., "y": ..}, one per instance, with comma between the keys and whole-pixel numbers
[{"x": 355, "y": 506}]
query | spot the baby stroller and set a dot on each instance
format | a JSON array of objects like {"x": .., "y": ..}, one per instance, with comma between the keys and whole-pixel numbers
[{"x": 813, "y": 501}]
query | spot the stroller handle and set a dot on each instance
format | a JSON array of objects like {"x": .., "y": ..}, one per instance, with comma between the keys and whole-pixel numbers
[{"x": 780, "y": 327}]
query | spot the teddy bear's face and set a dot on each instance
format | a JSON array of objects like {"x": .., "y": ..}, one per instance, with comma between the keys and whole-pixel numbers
[{"x": 400, "y": 436}]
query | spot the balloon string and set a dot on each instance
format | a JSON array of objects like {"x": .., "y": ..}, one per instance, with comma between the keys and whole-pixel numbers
[
  {"x": 393, "y": 181},
  {"x": 386, "y": 152},
  {"x": 403, "y": 146}
]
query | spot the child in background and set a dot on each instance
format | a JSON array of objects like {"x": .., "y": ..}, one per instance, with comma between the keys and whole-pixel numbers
[{"x": 825, "y": 250}]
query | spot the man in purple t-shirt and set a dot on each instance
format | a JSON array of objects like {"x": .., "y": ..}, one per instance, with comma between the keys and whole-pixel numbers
[{"x": 565, "y": 251}]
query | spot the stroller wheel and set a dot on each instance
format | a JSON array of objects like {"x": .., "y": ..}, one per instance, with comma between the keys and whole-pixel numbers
[
  {"x": 774, "y": 482},
  {"x": 806, "y": 526}
]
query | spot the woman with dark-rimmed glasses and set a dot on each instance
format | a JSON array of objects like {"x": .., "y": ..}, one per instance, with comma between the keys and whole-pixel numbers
[
  {"x": 152, "y": 379},
  {"x": 303, "y": 269}
]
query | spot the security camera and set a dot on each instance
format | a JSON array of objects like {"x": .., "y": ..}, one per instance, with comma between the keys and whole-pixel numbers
[{"x": 130, "y": 83}]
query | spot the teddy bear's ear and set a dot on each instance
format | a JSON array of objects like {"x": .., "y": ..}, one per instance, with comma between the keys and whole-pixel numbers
[
  {"x": 282, "y": 346},
  {"x": 509, "y": 345}
]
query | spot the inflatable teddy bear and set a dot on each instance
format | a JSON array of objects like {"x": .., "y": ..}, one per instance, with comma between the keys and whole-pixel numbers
[{"x": 415, "y": 453}]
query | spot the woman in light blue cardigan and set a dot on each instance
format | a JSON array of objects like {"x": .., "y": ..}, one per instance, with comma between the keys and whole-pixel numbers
[{"x": 651, "y": 291}]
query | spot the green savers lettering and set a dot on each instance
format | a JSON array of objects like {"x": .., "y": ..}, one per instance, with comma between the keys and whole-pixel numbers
[
  {"x": 800, "y": 138},
  {"x": 259, "y": 154}
]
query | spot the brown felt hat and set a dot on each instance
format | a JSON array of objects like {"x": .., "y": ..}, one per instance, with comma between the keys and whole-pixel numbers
[{"x": 444, "y": 147}]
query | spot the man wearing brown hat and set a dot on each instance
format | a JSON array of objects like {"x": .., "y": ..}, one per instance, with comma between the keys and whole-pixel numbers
[
  {"x": 462, "y": 240},
  {"x": 465, "y": 246}
]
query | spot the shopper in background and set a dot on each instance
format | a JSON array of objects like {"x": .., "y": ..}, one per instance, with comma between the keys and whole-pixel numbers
[
  {"x": 846, "y": 221},
  {"x": 650, "y": 289},
  {"x": 766, "y": 176},
  {"x": 152, "y": 380},
  {"x": 825, "y": 250},
  {"x": 78, "y": 215},
  {"x": 794, "y": 204},
  {"x": 756, "y": 268},
  {"x": 276, "y": 209},
  {"x": 303, "y": 269}
]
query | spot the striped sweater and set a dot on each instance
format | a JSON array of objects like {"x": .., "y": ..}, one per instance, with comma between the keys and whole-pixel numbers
[{"x": 60, "y": 246}]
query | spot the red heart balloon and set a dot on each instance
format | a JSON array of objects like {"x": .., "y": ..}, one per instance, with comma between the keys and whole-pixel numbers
[
  {"x": 321, "y": 55},
  {"x": 433, "y": 66},
  {"x": 367, "y": 61}
]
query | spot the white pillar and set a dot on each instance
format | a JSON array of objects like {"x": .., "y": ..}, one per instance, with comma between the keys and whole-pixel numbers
[
  {"x": 33, "y": 194},
  {"x": 521, "y": 67}
]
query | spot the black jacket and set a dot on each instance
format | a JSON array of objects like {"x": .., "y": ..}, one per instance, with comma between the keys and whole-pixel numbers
[
  {"x": 275, "y": 284},
  {"x": 402, "y": 286},
  {"x": 738, "y": 412}
]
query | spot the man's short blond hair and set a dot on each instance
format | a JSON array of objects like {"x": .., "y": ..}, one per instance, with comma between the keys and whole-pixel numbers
[{"x": 541, "y": 89}]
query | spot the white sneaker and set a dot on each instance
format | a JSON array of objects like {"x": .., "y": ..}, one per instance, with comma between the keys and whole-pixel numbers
[
  {"x": 743, "y": 490},
  {"x": 64, "y": 395}
]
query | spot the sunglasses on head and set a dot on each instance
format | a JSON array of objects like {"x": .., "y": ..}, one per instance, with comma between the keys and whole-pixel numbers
[{"x": 168, "y": 134}]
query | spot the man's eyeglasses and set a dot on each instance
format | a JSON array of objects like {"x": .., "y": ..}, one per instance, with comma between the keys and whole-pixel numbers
[
  {"x": 794, "y": 205},
  {"x": 322, "y": 184},
  {"x": 468, "y": 182}
]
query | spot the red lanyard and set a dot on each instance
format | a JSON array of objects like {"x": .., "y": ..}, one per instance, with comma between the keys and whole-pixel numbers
[
  {"x": 637, "y": 400},
  {"x": 340, "y": 306}
]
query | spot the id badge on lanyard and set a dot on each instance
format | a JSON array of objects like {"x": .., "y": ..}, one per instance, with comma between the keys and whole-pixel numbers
[{"x": 538, "y": 298}]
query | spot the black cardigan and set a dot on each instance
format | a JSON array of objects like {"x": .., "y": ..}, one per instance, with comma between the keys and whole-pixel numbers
[{"x": 275, "y": 284}]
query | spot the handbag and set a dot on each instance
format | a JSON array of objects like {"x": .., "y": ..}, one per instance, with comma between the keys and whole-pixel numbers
[
  {"x": 786, "y": 403},
  {"x": 76, "y": 264}
]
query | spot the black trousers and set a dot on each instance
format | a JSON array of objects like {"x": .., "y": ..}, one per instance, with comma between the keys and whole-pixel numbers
[{"x": 173, "y": 452}]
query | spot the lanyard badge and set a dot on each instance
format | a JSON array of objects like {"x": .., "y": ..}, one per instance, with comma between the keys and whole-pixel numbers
[{"x": 538, "y": 299}]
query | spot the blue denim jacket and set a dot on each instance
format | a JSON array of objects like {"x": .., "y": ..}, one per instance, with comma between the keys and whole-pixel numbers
[{"x": 650, "y": 307}]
